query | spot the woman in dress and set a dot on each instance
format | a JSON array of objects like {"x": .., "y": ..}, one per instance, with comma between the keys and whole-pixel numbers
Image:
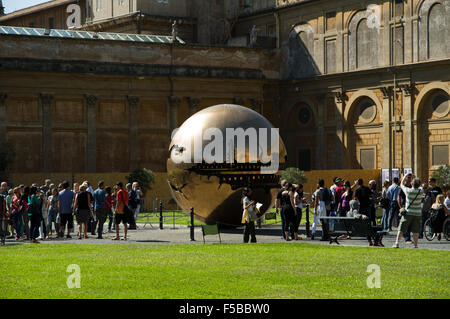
[
  {"x": 52, "y": 208},
  {"x": 82, "y": 210},
  {"x": 108, "y": 207},
  {"x": 384, "y": 203},
  {"x": 288, "y": 210}
]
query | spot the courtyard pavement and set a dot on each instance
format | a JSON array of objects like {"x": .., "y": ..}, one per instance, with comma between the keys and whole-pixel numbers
[{"x": 152, "y": 235}]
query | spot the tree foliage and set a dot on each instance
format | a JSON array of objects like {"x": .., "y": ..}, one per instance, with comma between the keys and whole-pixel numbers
[
  {"x": 294, "y": 175},
  {"x": 144, "y": 177},
  {"x": 442, "y": 175}
]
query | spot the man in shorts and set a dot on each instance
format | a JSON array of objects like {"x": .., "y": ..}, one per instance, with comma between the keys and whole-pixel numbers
[
  {"x": 121, "y": 215},
  {"x": 412, "y": 218},
  {"x": 65, "y": 201}
]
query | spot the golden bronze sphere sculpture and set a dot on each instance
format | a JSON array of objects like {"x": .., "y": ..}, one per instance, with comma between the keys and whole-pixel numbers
[{"x": 212, "y": 184}]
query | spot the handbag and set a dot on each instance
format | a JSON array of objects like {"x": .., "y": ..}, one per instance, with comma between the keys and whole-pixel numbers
[{"x": 384, "y": 202}]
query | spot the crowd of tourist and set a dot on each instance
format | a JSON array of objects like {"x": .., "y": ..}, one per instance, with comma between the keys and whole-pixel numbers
[
  {"x": 43, "y": 212},
  {"x": 406, "y": 204},
  {"x": 36, "y": 213}
]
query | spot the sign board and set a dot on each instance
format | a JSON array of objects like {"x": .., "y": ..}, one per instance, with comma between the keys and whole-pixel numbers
[{"x": 385, "y": 174}]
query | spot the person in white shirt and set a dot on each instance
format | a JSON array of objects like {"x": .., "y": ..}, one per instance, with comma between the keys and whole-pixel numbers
[
  {"x": 299, "y": 200},
  {"x": 447, "y": 200},
  {"x": 249, "y": 215},
  {"x": 138, "y": 191}
]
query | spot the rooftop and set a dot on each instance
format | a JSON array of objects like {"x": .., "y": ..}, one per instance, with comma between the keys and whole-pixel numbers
[
  {"x": 75, "y": 34},
  {"x": 35, "y": 8}
]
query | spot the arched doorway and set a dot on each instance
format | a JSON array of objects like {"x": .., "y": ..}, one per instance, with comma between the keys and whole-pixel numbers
[
  {"x": 363, "y": 131},
  {"x": 433, "y": 116}
]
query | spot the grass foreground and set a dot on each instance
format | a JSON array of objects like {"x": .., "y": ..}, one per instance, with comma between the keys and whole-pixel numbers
[{"x": 285, "y": 270}]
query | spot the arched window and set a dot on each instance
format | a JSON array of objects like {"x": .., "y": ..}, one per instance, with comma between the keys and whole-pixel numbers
[
  {"x": 362, "y": 41},
  {"x": 366, "y": 45},
  {"x": 366, "y": 111},
  {"x": 437, "y": 32},
  {"x": 301, "y": 52},
  {"x": 434, "y": 27}
]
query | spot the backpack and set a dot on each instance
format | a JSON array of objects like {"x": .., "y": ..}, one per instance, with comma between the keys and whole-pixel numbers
[
  {"x": 326, "y": 196},
  {"x": 132, "y": 202},
  {"x": 2, "y": 206},
  {"x": 384, "y": 202}
]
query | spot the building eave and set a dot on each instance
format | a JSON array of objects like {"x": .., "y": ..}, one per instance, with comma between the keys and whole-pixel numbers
[{"x": 35, "y": 9}]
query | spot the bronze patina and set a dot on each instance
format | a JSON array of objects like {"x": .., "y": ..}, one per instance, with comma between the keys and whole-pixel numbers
[{"x": 214, "y": 189}]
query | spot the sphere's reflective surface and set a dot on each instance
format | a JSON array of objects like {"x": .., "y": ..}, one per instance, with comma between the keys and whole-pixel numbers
[{"x": 214, "y": 189}]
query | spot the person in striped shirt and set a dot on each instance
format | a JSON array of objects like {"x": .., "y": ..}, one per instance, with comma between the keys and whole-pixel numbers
[{"x": 413, "y": 215}]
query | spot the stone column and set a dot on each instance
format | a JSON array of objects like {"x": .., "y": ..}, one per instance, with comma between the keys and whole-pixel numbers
[
  {"x": 47, "y": 144},
  {"x": 340, "y": 98},
  {"x": 193, "y": 103},
  {"x": 345, "y": 39},
  {"x": 3, "y": 97},
  {"x": 408, "y": 33},
  {"x": 320, "y": 141},
  {"x": 414, "y": 38},
  {"x": 91, "y": 147},
  {"x": 133, "y": 132},
  {"x": 174, "y": 103},
  {"x": 408, "y": 136},
  {"x": 386, "y": 138}
]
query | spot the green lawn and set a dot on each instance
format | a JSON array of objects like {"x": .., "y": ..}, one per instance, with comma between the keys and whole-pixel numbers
[
  {"x": 181, "y": 218},
  {"x": 285, "y": 270}
]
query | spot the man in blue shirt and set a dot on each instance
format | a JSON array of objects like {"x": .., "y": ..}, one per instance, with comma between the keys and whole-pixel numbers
[
  {"x": 392, "y": 194},
  {"x": 99, "y": 207},
  {"x": 65, "y": 202}
]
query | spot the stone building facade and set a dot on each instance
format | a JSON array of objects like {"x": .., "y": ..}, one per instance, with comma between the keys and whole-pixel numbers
[{"x": 351, "y": 84}]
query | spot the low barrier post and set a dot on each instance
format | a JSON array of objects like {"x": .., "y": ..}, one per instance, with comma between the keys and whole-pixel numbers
[
  {"x": 308, "y": 234},
  {"x": 192, "y": 224},
  {"x": 161, "y": 215}
]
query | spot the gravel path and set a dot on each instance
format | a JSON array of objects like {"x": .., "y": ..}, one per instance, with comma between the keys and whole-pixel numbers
[{"x": 181, "y": 235}]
